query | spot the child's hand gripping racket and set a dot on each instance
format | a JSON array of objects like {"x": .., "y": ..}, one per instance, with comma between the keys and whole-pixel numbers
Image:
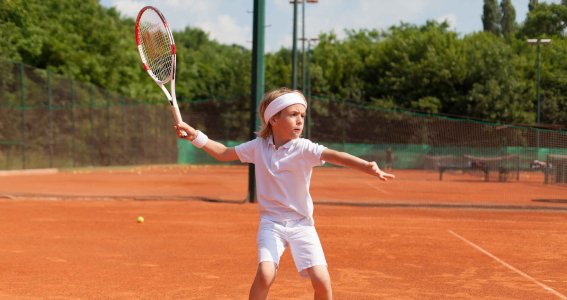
[{"x": 157, "y": 51}]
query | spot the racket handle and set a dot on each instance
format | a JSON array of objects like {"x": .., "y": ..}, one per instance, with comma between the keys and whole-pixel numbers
[{"x": 177, "y": 118}]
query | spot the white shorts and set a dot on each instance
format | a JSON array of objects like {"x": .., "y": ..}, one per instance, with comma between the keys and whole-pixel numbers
[{"x": 299, "y": 235}]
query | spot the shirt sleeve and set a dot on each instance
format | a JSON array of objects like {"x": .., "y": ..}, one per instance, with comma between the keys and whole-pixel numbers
[
  {"x": 312, "y": 153},
  {"x": 247, "y": 151}
]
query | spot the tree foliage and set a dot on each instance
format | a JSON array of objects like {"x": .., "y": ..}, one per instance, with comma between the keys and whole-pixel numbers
[
  {"x": 508, "y": 21},
  {"x": 532, "y": 5},
  {"x": 545, "y": 20},
  {"x": 430, "y": 68},
  {"x": 491, "y": 17}
]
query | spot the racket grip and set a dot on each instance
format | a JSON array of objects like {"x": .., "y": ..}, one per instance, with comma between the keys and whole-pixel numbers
[{"x": 177, "y": 118}]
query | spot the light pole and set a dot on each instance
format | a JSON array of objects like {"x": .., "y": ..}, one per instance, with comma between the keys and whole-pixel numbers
[
  {"x": 294, "y": 43},
  {"x": 307, "y": 86},
  {"x": 257, "y": 86},
  {"x": 294, "y": 48},
  {"x": 538, "y": 43}
]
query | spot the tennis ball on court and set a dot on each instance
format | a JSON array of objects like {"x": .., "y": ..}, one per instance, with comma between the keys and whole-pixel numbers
[{"x": 140, "y": 219}]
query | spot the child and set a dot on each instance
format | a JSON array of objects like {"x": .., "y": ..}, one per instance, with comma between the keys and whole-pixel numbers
[{"x": 283, "y": 163}]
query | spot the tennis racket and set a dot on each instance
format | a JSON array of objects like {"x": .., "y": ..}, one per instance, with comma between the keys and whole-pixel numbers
[{"x": 157, "y": 51}]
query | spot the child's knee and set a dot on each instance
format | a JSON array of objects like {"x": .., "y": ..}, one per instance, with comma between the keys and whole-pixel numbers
[
  {"x": 322, "y": 285},
  {"x": 320, "y": 280},
  {"x": 266, "y": 274}
]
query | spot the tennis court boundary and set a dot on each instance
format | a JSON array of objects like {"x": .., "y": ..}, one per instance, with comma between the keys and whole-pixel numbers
[
  {"x": 393, "y": 204},
  {"x": 26, "y": 172},
  {"x": 480, "y": 206},
  {"x": 507, "y": 265}
]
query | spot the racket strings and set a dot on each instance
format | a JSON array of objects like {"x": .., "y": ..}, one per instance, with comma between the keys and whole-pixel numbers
[{"x": 156, "y": 46}]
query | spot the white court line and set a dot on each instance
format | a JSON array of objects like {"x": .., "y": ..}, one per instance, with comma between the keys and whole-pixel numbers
[
  {"x": 545, "y": 287},
  {"x": 29, "y": 172}
]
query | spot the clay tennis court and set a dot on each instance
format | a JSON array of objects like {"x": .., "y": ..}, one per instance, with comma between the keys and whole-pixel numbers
[{"x": 73, "y": 234}]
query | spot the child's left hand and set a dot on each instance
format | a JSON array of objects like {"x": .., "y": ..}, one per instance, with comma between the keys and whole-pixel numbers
[{"x": 373, "y": 169}]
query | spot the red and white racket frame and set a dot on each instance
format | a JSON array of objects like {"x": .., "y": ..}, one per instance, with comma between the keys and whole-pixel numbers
[{"x": 161, "y": 83}]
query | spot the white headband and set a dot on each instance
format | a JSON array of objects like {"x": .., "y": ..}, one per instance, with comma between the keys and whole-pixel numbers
[{"x": 282, "y": 102}]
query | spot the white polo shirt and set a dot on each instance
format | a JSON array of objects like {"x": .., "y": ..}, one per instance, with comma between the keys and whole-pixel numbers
[{"x": 283, "y": 176}]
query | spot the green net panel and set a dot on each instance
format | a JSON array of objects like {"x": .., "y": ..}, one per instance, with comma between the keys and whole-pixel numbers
[
  {"x": 56, "y": 122},
  {"x": 555, "y": 169},
  {"x": 49, "y": 121},
  {"x": 489, "y": 151}
]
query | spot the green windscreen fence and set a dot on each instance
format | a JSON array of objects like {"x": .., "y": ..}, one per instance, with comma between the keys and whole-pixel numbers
[
  {"x": 416, "y": 141},
  {"x": 49, "y": 121}
]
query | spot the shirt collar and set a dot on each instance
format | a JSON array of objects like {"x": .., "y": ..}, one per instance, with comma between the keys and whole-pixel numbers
[{"x": 284, "y": 146}]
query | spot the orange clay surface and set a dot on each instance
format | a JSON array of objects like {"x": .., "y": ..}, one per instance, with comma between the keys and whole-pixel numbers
[{"x": 74, "y": 235}]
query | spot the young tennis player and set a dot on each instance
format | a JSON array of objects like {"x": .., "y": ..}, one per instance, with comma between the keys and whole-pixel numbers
[{"x": 283, "y": 163}]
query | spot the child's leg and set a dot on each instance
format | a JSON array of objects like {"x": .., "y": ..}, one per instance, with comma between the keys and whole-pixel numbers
[
  {"x": 271, "y": 246},
  {"x": 265, "y": 276},
  {"x": 309, "y": 258},
  {"x": 321, "y": 282}
]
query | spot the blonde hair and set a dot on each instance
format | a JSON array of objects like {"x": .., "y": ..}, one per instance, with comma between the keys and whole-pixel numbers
[{"x": 266, "y": 129}]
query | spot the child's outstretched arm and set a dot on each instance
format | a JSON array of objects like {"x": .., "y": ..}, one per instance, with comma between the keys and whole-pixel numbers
[
  {"x": 215, "y": 149},
  {"x": 346, "y": 160}
]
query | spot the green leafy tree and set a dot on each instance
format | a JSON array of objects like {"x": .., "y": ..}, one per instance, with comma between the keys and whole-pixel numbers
[
  {"x": 79, "y": 39},
  {"x": 532, "y": 5},
  {"x": 412, "y": 63},
  {"x": 553, "y": 82},
  {"x": 209, "y": 70},
  {"x": 493, "y": 88},
  {"x": 22, "y": 35},
  {"x": 429, "y": 68},
  {"x": 341, "y": 64},
  {"x": 491, "y": 17},
  {"x": 545, "y": 20},
  {"x": 508, "y": 21},
  {"x": 278, "y": 69}
]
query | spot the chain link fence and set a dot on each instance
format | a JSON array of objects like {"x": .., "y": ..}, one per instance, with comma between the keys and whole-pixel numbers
[{"x": 49, "y": 121}]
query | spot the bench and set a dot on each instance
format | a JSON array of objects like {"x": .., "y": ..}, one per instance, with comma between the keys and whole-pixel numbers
[{"x": 502, "y": 172}]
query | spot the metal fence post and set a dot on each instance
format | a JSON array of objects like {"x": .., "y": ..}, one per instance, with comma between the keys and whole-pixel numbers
[
  {"x": 92, "y": 146},
  {"x": 108, "y": 128},
  {"x": 23, "y": 142},
  {"x": 50, "y": 118},
  {"x": 73, "y": 128}
]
